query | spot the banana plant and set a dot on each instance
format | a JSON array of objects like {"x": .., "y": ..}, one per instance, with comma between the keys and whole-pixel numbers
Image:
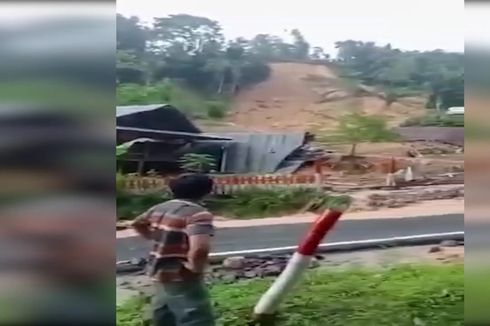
[{"x": 123, "y": 148}]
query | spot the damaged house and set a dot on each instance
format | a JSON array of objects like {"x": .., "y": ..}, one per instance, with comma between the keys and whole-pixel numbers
[{"x": 163, "y": 135}]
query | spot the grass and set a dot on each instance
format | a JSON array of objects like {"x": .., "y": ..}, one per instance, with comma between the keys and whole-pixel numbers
[
  {"x": 244, "y": 204},
  {"x": 190, "y": 102},
  {"x": 258, "y": 203},
  {"x": 399, "y": 296}
]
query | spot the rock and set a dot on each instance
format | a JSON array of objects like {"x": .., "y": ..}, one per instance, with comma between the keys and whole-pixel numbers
[
  {"x": 123, "y": 283},
  {"x": 374, "y": 204},
  {"x": 146, "y": 291},
  {"x": 449, "y": 243},
  {"x": 389, "y": 202},
  {"x": 435, "y": 249},
  {"x": 237, "y": 262},
  {"x": 272, "y": 270},
  {"x": 250, "y": 274},
  {"x": 264, "y": 257},
  {"x": 229, "y": 277},
  {"x": 395, "y": 204}
]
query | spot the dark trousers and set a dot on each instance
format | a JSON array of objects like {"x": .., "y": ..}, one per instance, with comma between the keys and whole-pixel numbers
[{"x": 182, "y": 304}]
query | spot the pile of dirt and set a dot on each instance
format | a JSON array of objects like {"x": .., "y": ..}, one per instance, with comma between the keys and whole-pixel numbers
[{"x": 300, "y": 96}]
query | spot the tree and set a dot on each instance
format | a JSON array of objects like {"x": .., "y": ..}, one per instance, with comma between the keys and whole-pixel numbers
[
  {"x": 130, "y": 35},
  {"x": 198, "y": 163},
  {"x": 392, "y": 68},
  {"x": 438, "y": 74},
  {"x": 301, "y": 47},
  {"x": 131, "y": 40},
  {"x": 319, "y": 54},
  {"x": 355, "y": 129},
  {"x": 447, "y": 93},
  {"x": 187, "y": 34},
  {"x": 130, "y": 68},
  {"x": 219, "y": 66}
]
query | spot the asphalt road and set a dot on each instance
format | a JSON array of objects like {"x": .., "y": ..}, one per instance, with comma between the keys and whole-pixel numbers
[{"x": 259, "y": 237}]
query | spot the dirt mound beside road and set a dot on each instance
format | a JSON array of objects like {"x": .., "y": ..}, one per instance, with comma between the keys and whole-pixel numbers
[{"x": 300, "y": 96}]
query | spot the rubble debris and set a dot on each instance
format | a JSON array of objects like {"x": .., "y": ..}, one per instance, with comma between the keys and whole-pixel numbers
[
  {"x": 435, "y": 249},
  {"x": 237, "y": 262},
  {"x": 449, "y": 243},
  {"x": 403, "y": 198}
]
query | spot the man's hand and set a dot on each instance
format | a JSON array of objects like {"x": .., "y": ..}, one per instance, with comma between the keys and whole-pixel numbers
[{"x": 142, "y": 225}]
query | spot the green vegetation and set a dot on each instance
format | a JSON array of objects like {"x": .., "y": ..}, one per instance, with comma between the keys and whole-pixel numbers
[
  {"x": 185, "y": 60},
  {"x": 216, "y": 110},
  {"x": 191, "y": 54},
  {"x": 405, "y": 73},
  {"x": 257, "y": 203},
  {"x": 185, "y": 99},
  {"x": 243, "y": 204},
  {"x": 436, "y": 120},
  {"x": 402, "y": 296},
  {"x": 355, "y": 128},
  {"x": 198, "y": 163}
]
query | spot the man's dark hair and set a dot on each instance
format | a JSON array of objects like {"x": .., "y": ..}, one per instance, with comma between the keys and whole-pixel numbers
[{"x": 191, "y": 186}]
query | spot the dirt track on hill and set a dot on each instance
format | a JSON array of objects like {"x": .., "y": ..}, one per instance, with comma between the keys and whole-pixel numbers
[{"x": 294, "y": 99}]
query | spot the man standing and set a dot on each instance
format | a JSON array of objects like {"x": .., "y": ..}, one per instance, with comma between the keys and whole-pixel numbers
[{"x": 181, "y": 230}]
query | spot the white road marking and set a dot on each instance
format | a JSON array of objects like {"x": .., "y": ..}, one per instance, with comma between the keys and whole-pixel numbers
[
  {"x": 343, "y": 243},
  {"x": 378, "y": 241}
]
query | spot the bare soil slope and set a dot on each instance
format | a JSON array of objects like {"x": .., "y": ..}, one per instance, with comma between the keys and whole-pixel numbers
[{"x": 300, "y": 97}]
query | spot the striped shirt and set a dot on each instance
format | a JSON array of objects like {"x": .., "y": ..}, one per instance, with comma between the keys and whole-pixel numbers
[{"x": 172, "y": 223}]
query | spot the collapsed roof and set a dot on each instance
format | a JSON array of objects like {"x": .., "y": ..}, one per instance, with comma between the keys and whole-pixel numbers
[
  {"x": 241, "y": 153},
  {"x": 260, "y": 153},
  {"x": 155, "y": 117},
  {"x": 157, "y": 121}
]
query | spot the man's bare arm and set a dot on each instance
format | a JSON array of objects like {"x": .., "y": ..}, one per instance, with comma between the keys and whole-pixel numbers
[
  {"x": 200, "y": 230},
  {"x": 142, "y": 225},
  {"x": 199, "y": 248}
]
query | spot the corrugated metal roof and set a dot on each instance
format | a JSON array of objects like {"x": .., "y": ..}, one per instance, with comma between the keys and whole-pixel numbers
[
  {"x": 156, "y": 117},
  {"x": 259, "y": 153},
  {"x": 131, "y": 109},
  {"x": 158, "y": 134}
]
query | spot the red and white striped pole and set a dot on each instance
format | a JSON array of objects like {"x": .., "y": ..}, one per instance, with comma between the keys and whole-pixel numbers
[{"x": 297, "y": 265}]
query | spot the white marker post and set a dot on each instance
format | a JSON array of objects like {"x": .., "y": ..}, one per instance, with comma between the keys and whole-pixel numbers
[{"x": 268, "y": 303}]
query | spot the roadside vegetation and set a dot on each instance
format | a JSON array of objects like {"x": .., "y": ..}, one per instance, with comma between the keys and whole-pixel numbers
[
  {"x": 355, "y": 129},
  {"x": 258, "y": 203},
  {"x": 401, "y": 295},
  {"x": 433, "y": 119},
  {"x": 243, "y": 204}
]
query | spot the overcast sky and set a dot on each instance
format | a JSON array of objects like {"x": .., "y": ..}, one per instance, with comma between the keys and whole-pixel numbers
[{"x": 406, "y": 24}]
